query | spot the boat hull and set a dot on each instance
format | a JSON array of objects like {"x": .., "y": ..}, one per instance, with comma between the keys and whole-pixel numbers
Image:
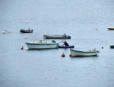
[
  {"x": 41, "y": 46},
  {"x": 26, "y": 31},
  {"x": 66, "y": 47},
  {"x": 75, "y": 53},
  {"x": 110, "y": 28},
  {"x": 57, "y": 37},
  {"x": 112, "y": 46}
]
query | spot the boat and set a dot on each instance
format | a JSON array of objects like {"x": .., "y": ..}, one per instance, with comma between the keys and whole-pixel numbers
[
  {"x": 26, "y": 31},
  {"x": 57, "y": 36},
  {"x": 40, "y": 46},
  {"x": 110, "y": 28},
  {"x": 112, "y": 46},
  {"x": 62, "y": 46},
  {"x": 77, "y": 53}
]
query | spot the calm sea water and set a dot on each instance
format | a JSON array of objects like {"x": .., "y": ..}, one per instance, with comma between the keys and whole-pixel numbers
[{"x": 85, "y": 20}]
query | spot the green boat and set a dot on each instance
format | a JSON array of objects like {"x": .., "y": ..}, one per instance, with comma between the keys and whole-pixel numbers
[{"x": 40, "y": 46}]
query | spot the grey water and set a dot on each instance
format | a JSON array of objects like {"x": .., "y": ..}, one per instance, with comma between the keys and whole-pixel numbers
[{"x": 85, "y": 20}]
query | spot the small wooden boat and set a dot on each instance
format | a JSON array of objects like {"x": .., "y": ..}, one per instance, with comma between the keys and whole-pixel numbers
[
  {"x": 110, "y": 28},
  {"x": 57, "y": 36},
  {"x": 26, "y": 31},
  {"x": 40, "y": 46},
  {"x": 62, "y": 46},
  {"x": 77, "y": 53},
  {"x": 112, "y": 46}
]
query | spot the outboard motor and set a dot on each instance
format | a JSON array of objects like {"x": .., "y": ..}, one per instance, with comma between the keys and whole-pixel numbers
[{"x": 69, "y": 37}]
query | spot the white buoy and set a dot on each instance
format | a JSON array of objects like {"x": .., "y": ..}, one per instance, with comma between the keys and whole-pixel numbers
[{"x": 3, "y": 32}]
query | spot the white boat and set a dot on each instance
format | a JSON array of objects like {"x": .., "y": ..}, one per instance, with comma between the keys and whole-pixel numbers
[
  {"x": 39, "y": 46},
  {"x": 77, "y": 53}
]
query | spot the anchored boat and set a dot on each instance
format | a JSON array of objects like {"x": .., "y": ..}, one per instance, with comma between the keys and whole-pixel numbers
[
  {"x": 77, "y": 53},
  {"x": 112, "y": 46},
  {"x": 57, "y": 36},
  {"x": 110, "y": 28},
  {"x": 26, "y": 31},
  {"x": 40, "y": 46}
]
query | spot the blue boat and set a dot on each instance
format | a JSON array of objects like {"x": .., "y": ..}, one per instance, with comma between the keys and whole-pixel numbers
[
  {"x": 112, "y": 46},
  {"x": 62, "y": 46}
]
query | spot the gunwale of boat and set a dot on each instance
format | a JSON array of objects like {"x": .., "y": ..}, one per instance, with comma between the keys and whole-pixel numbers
[
  {"x": 85, "y": 51},
  {"x": 56, "y": 35},
  {"x": 34, "y": 43}
]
